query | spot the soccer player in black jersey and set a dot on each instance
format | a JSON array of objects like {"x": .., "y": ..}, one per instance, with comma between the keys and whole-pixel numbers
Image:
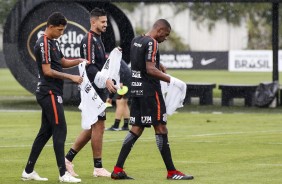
[
  {"x": 92, "y": 49},
  {"x": 50, "y": 61},
  {"x": 147, "y": 105}
]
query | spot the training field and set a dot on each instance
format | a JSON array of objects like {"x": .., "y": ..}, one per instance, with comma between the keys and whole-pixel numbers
[{"x": 218, "y": 145}]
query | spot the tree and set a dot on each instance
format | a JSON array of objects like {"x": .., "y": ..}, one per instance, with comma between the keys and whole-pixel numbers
[
  {"x": 5, "y": 8},
  {"x": 257, "y": 15}
]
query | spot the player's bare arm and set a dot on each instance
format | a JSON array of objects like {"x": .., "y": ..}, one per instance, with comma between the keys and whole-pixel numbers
[
  {"x": 48, "y": 71},
  {"x": 154, "y": 72},
  {"x": 162, "y": 68},
  {"x": 68, "y": 63}
]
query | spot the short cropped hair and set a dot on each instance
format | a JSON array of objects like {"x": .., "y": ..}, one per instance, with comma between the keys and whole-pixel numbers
[
  {"x": 97, "y": 12},
  {"x": 162, "y": 22},
  {"x": 57, "y": 19}
]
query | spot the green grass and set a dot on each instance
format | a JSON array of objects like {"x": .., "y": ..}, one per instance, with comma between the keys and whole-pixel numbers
[
  {"x": 218, "y": 145},
  {"x": 215, "y": 148}
]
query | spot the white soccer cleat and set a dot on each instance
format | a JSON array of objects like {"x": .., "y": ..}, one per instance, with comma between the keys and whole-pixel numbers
[
  {"x": 32, "y": 176},
  {"x": 69, "y": 167},
  {"x": 101, "y": 172},
  {"x": 68, "y": 178}
]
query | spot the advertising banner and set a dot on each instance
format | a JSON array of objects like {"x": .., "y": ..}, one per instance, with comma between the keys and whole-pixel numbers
[
  {"x": 195, "y": 60},
  {"x": 251, "y": 61}
]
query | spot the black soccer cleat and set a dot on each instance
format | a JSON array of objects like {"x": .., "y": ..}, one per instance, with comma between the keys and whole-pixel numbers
[
  {"x": 179, "y": 176},
  {"x": 112, "y": 128},
  {"x": 124, "y": 128},
  {"x": 120, "y": 176}
]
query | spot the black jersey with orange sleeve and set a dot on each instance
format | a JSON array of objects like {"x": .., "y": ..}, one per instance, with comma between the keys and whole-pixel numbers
[
  {"x": 144, "y": 49},
  {"x": 47, "y": 51},
  {"x": 92, "y": 49}
]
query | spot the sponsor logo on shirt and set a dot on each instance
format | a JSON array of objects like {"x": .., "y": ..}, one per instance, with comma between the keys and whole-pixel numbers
[
  {"x": 87, "y": 87},
  {"x": 95, "y": 96},
  {"x": 136, "y": 74},
  {"x": 146, "y": 119},
  {"x": 132, "y": 120},
  {"x": 165, "y": 117},
  {"x": 137, "y": 92},
  {"x": 60, "y": 99},
  {"x": 136, "y": 83},
  {"x": 137, "y": 44}
]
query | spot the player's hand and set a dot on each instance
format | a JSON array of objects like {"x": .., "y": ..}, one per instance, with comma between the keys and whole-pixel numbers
[
  {"x": 162, "y": 68},
  {"x": 110, "y": 86},
  {"x": 82, "y": 60},
  {"x": 109, "y": 100},
  {"x": 119, "y": 48},
  {"x": 77, "y": 79}
]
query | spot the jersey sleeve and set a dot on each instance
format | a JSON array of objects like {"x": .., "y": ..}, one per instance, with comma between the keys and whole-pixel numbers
[
  {"x": 151, "y": 50},
  {"x": 44, "y": 55},
  {"x": 88, "y": 48}
]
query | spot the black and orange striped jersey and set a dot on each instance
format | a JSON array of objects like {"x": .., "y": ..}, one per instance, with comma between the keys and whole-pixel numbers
[
  {"x": 47, "y": 51},
  {"x": 144, "y": 49},
  {"x": 92, "y": 49}
]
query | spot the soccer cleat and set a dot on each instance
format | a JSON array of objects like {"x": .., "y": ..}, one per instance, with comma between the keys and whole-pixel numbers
[
  {"x": 32, "y": 176},
  {"x": 101, "y": 172},
  {"x": 112, "y": 128},
  {"x": 68, "y": 178},
  {"x": 177, "y": 175},
  {"x": 69, "y": 167},
  {"x": 124, "y": 128},
  {"x": 120, "y": 176}
]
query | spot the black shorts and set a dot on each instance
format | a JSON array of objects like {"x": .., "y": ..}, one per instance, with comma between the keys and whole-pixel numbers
[{"x": 147, "y": 111}]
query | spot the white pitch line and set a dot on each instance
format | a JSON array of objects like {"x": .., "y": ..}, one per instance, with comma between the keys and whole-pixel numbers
[
  {"x": 203, "y": 162},
  {"x": 19, "y": 110},
  {"x": 235, "y": 133},
  {"x": 25, "y": 146},
  {"x": 153, "y": 138}
]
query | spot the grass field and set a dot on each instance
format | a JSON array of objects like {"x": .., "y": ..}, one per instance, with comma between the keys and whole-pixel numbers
[{"x": 218, "y": 145}]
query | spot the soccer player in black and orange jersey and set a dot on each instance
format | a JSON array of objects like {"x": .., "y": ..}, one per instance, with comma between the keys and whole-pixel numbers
[
  {"x": 50, "y": 61},
  {"x": 92, "y": 49},
  {"x": 147, "y": 105}
]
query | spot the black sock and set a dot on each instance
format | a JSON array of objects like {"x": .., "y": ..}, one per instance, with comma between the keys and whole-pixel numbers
[
  {"x": 116, "y": 124},
  {"x": 98, "y": 162},
  {"x": 163, "y": 145},
  {"x": 125, "y": 120},
  {"x": 128, "y": 143},
  {"x": 71, "y": 154}
]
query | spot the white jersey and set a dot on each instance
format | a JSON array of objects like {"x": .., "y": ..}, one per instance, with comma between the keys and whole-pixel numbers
[
  {"x": 174, "y": 94},
  {"x": 91, "y": 104},
  {"x": 110, "y": 70}
]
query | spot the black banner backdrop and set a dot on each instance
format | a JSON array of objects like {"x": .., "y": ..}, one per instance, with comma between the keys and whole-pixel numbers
[
  {"x": 195, "y": 60},
  {"x": 27, "y": 21}
]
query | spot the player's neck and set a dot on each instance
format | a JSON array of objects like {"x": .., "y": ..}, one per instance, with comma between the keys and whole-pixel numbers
[{"x": 95, "y": 31}]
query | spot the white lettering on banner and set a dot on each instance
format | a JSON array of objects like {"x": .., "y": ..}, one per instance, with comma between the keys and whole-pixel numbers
[
  {"x": 250, "y": 60},
  {"x": 177, "y": 60},
  {"x": 69, "y": 43}
]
